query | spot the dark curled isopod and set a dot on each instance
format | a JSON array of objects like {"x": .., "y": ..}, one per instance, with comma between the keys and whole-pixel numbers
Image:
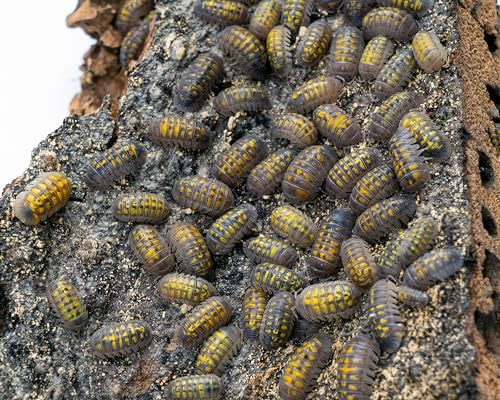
[
  {"x": 242, "y": 98},
  {"x": 190, "y": 249},
  {"x": 306, "y": 173},
  {"x": 385, "y": 120},
  {"x": 296, "y": 13},
  {"x": 196, "y": 387},
  {"x": 222, "y": 12},
  {"x": 357, "y": 365},
  {"x": 197, "y": 81},
  {"x": 344, "y": 174},
  {"x": 121, "y": 338},
  {"x": 412, "y": 297},
  {"x": 330, "y": 6},
  {"x": 265, "y": 17},
  {"x": 279, "y": 53},
  {"x": 389, "y": 22},
  {"x": 228, "y": 230},
  {"x": 278, "y": 321},
  {"x": 345, "y": 52},
  {"x": 235, "y": 163},
  {"x": 325, "y": 252},
  {"x": 355, "y": 10},
  {"x": 313, "y": 93},
  {"x": 299, "y": 130},
  {"x": 376, "y": 53},
  {"x": 339, "y": 128},
  {"x": 428, "y": 50},
  {"x": 358, "y": 262},
  {"x": 131, "y": 12},
  {"x": 376, "y": 185},
  {"x": 273, "y": 278},
  {"x": 408, "y": 163},
  {"x": 246, "y": 48},
  {"x": 304, "y": 367},
  {"x": 266, "y": 249},
  {"x": 418, "y": 7},
  {"x": 151, "y": 250},
  {"x": 383, "y": 314},
  {"x": 202, "y": 321},
  {"x": 395, "y": 74},
  {"x": 218, "y": 351},
  {"x": 67, "y": 304},
  {"x": 314, "y": 44},
  {"x": 185, "y": 289},
  {"x": 254, "y": 304},
  {"x": 209, "y": 196},
  {"x": 303, "y": 328},
  {"x": 133, "y": 42},
  {"x": 184, "y": 132},
  {"x": 141, "y": 207},
  {"x": 435, "y": 266},
  {"x": 327, "y": 301},
  {"x": 268, "y": 174},
  {"x": 293, "y": 225},
  {"x": 384, "y": 217}
]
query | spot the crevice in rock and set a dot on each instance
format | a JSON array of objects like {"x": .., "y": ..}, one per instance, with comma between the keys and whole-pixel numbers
[
  {"x": 486, "y": 170},
  {"x": 488, "y": 221}
]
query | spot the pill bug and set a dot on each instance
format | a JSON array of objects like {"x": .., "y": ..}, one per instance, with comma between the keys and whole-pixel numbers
[
  {"x": 131, "y": 12},
  {"x": 141, "y": 207},
  {"x": 151, "y": 250},
  {"x": 241, "y": 98},
  {"x": 273, "y": 278},
  {"x": 357, "y": 365},
  {"x": 278, "y": 321},
  {"x": 383, "y": 315},
  {"x": 418, "y": 7},
  {"x": 327, "y": 301},
  {"x": 384, "y": 217},
  {"x": 121, "y": 338},
  {"x": 245, "y": 47},
  {"x": 133, "y": 42},
  {"x": 235, "y": 163},
  {"x": 185, "y": 289},
  {"x": 293, "y": 225},
  {"x": 428, "y": 135},
  {"x": 296, "y": 128},
  {"x": 183, "y": 132},
  {"x": 389, "y": 22},
  {"x": 196, "y": 387},
  {"x": 376, "y": 185},
  {"x": 222, "y": 12},
  {"x": 388, "y": 262},
  {"x": 67, "y": 304},
  {"x": 376, "y": 53},
  {"x": 355, "y": 10},
  {"x": 254, "y": 305},
  {"x": 208, "y": 196},
  {"x": 123, "y": 158},
  {"x": 325, "y": 252},
  {"x": 313, "y": 93},
  {"x": 42, "y": 198},
  {"x": 358, "y": 262},
  {"x": 190, "y": 249},
  {"x": 268, "y": 174},
  {"x": 339, "y": 128},
  {"x": 218, "y": 351},
  {"x": 304, "y": 367},
  {"x": 266, "y": 249},
  {"x": 350, "y": 168},
  {"x": 435, "y": 266},
  {"x": 345, "y": 52},
  {"x": 385, "y": 120},
  {"x": 202, "y": 321},
  {"x": 197, "y": 81},
  {"x": 408, "y": 163},
  {"x": 279, "y": 52},
  {"x": 228, "y": 230},
  {"x": 314, "y": 45},
  {"x": 412, "y": 297},
  {"x": 265, "y": 17},
  {"x": 306, "y": 173},
  {"x": 303, "y": 328},
  {"x": 296, "y": 13},
  {"x": 395, "y": 74},
  {"x": 330, "y": 6}
]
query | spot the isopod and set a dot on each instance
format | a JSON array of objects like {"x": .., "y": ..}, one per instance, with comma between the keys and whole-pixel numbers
[
  {"x": 395, "y": 74},
  {"x": 313, "y": 93},
  {"x": 279, "y": 53},
  {"x": 358, "y": 262},
  {"x": 314, "y": 44},
  {"x": 254, "y": 305},
  {"x": 272, "y": 278},
  {"x": 185, "y": 289},
  {"x": 265, "y": 17},
  {"x": 428, "y": 50},
  {"x": 345, "y": 52},
  {"x": 183, "y": 132},
  {"x": 241, "y": 98},
  {"x": 339, "y": 128},
  {"x": 278, "y": 321},
  {"x": 299, "y": 130},
  {"x": 196, "y": 387},
  {"x": 389, "y": 22},
  {"x": 355, "y": 10},
  {"x": 131, "y": 12},
  {"x": 376, "y": 53},
  {"x": 296, "y": 13},
  {"x": 266, "y": 249},
  {"x": 294, "y": 225},
  {"x": 141, "y": 207},
  {"x": 412, "y": 297},
  {"x": 418, "y": 7},
  {"x": 67, "y": 304},
  {"x": 222, "y": 12},
  {"x": 133, "y": 42}
]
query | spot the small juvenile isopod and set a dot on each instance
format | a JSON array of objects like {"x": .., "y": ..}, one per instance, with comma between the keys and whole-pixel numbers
[
  {"x": 272, "y": 278},
  {"x": 358, "y": 262},
  {"x": 278, "y": 321},
  {"x": 313, "y": 93},
  {"x": 389, "y": 22},
  {"x": 266, "y": 249},
  {"x": 299, "y": 130},
  {"x": 185, "y": 289},
  {"x": 133, "y": 42},
  {"x": 345, "y": 52},
  {"x": 376, "y": 53},
  {"x": 306, "y": 173},
  {"x": 196, "y": 387},
  {"x": 429, "y": 52},
  {"x": 293, "y": 225},
  {"x": 141, "y": 207},
  {"x": 279, "y": 52},
  {"x": 330, "y": 6},
  {"x": 355, "y": 10},
  {"x": 412, "y": 297},
  {"x": 296, "y": 13},
  {"x": 418, "y": 7},
  {"x": 254, "y": 304},
  {"x": 67, "y": 304},
  {"x": 121, "y": 338},
  {"x": 339, "y": 128},
  {"x": 208, "y": 196},
  {"x": 314, "y": 44},
  {"x": 242, "y": 98},
  {"x": 395, "y": 74},
  {"x": 344, "y": 174},
  {"x": 42, "y": 198},
  {"x": 151, "y": 250},
  {"x": 183, "y": 132},
  {"x": 131, "y": 12},
  {"x": 227, "y": 231},
  {"x": 265, "y": 17},
  {"x": 202, "y": 321},
  {"x": 222, "y": 12}
]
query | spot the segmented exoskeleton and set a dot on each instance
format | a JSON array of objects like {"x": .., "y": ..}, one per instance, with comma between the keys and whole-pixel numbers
[
  {"x": 265, "y": 17},
  {"x": 314, "y": 44},
  {"x": 390, "y": 22},
  {"x": 266, "y": 249},
  {"x": 313, "y": 93},
  {"x": 428, "y": 50},
  {"x": 278, "y": 321},
  {"x": 196, "y": 387},
  {"x": 359, "y": 263},
  {"x": 273, "y": 278},
  {"x": 67, "y": 304},
  {"x": 141, "y": 207},
  {"x": 279, "y": 52},
  {"x": 254, "y": 305},
  {"x": 345, "y": 52},
  {"x": 222, "y": 12},
  {"x": 242, "y": 98},
  {"x": 376, "y": 53},
  {"x": 294, "y": 225},
  {"x": 395, "y": 74},
  {"x": 339, "y": 128},
  {"x": 299, "y": 130},
  {"x": 184, "y": 132},
  {"x": 185, "y": 289}
]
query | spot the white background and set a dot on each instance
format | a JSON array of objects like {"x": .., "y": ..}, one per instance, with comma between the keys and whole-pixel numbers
[{"x": 39, "y": 75}]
